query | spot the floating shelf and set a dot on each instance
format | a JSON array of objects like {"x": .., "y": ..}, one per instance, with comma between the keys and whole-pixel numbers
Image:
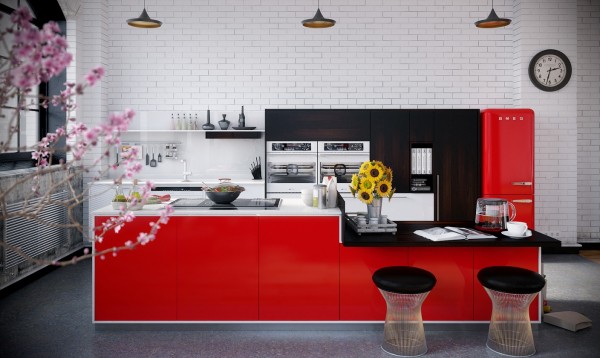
[
  {"x": 209, "y": 134},
  {"x": 233, "y": 134}
]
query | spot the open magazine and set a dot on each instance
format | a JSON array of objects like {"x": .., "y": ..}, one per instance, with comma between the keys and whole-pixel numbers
[{"x": 453, "y": 233}]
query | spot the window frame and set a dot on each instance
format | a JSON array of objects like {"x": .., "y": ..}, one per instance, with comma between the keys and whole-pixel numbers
[{"x": 44, "y": 11}]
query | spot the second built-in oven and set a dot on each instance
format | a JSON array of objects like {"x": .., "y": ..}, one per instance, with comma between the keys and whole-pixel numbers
[
  {"x": 291, "y": 167},
  {"x": 342, "y": 160}
]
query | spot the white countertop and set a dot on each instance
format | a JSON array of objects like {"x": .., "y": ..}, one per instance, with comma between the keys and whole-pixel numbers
[
  {"x": 179, "y": 182},
  {"x": 289, "y": 207}
]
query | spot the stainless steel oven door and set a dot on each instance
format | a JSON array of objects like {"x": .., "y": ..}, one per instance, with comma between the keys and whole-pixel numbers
[
  {"x": 291, "y": 166},
  {"x": 291, "y": 173},
  {"x": 341, "y": 166}
]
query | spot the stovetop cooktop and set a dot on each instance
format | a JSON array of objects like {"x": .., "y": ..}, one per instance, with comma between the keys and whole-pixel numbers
[{"x": 238, "y": 204}]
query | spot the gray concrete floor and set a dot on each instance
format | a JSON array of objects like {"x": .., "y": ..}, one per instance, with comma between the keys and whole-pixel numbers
[{"x": 51, "y": 317}]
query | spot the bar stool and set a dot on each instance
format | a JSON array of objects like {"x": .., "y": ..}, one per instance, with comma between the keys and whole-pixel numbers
[
  {"x": 511, "y": 289},
  {"x": 404, "y": 289}
]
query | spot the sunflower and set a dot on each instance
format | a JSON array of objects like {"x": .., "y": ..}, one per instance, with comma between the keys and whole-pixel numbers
[
  {"x": 367, "y": 184},
  {"x": 365, "y": 196},
  {"x": 389, "y": 175},
  {"x": 375, "y": 172},
  {"x": 355, "y": 182},
  {"x": 383, "y": 188},
  {"x": 365, "y": 167}
]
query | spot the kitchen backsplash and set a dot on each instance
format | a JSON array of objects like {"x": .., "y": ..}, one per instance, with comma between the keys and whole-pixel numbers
[{"x": 206, "y": 158}]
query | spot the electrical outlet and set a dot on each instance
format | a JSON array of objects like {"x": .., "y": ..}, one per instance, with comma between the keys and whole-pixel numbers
[{"x": 553, "y": 234}]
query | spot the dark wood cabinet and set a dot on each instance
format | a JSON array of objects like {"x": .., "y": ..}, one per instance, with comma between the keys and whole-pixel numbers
[
  {"x": 390, "y": 144},
  {"x": 456, "y": 163},
  {"x": 317, "y": 124},
  {"x": 453, "y": 135},
  {"x": 421, "y": 125}
]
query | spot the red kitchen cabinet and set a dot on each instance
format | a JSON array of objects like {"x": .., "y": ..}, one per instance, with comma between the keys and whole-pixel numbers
[
  {"x": 217, "y": 276},
  {"x": 524, "y": 257},
  {"x": 299, "y": 268},
  {"x": 136, "y": 285},
  {"x": 452, "y": 297},
  {"x": 360, "y": 300}
]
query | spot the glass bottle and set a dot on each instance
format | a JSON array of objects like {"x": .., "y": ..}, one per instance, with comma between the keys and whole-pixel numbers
[
  {"x": 242, "y": 119},
  {"x": 135, "y": 191}
]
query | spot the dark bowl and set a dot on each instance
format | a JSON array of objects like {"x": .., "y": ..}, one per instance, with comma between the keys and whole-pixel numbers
[{"x": 224, "y": 197}]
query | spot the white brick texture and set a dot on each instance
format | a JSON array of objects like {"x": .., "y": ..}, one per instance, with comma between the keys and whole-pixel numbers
[{"x": 588, "y": 120}]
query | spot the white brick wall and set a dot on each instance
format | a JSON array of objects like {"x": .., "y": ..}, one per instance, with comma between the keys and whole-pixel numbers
[
  {"x": 380, "y": 54},
  {"x": 588, "y": 120},
  {"x": 541, "y": 25},
  {"x": 92, "y": 50}
]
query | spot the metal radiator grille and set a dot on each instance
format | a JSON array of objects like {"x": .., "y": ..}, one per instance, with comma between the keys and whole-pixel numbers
[{"x": 32, "y": 237}]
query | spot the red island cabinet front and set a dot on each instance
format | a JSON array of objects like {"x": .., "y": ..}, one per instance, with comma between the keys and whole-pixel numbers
[
  {"x": 360, "y": 299},
  {"x": 138, "y": 284},
  {"x": 452, "y": 297},
  {"x": 217, "y": 275},
  {"x": 299, "y": 268},
  {"x": 524, "y": 257}
]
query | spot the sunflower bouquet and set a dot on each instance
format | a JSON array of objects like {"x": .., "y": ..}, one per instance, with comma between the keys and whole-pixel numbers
[{"x": 373, "y": 181}]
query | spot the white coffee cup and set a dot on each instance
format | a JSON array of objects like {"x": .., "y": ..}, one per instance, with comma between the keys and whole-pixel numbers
[{"x": 516, "y": 228}]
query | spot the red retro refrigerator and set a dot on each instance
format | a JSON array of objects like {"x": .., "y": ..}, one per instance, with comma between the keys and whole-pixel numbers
[{"x": 508, "y": 159}]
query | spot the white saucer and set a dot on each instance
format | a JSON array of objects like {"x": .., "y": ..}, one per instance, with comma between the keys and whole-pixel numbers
[{"x": 527, "y": 234}]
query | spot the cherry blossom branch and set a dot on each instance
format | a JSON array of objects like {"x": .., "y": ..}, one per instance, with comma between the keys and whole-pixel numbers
[{"x": 36, "y": 56}]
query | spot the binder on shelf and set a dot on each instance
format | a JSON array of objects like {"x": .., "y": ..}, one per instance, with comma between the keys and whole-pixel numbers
[
  {"x": 413, "y": 161},
  {"x": 419, "y": 160},
  {"x": 423, "y": 161},
  {"x": 429, "y": 161}
]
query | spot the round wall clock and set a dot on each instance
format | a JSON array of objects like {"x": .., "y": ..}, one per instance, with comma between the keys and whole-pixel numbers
[{"x": 550, "y": 70}]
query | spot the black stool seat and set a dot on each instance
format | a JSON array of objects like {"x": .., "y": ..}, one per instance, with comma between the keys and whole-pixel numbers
[
  {"x": 511, "y": 279},
  {"x": 404, "y": 279}
]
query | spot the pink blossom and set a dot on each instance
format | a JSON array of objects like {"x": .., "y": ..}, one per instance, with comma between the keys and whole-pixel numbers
[
  {"x": 94, "y": 75},
  {"x": 37, "y": 54},
  {"x": 21, "y": 17}
]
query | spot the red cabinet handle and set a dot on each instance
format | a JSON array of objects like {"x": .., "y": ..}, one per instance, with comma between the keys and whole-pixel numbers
[
  {"x": 523, "y": 183},
  {"x": 523, "y": 201}
]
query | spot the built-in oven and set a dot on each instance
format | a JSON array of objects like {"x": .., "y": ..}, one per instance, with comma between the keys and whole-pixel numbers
[
  {"x": 341, "y": 160},
  {"x": 291, "y": 167}
]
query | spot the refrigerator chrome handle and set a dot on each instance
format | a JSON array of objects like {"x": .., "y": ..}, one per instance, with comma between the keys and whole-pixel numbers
[
  {"x": 523, "y": 201},
  {"x": 522, "y": 183},
  {"x": 437, "y": 196}
]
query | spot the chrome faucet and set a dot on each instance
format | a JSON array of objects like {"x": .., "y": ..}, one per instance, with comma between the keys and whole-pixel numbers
[{"x": 186, "y": 173}]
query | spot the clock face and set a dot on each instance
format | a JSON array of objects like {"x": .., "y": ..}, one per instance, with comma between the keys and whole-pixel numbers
[{"x": 550, "y": 70}]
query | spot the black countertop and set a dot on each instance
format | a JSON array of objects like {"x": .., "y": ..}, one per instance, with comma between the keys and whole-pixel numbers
[{"x": 405, "y": 237}]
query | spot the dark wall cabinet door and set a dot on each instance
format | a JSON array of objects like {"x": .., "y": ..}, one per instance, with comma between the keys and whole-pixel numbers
[
  {"x": 390, "y": 144},
  {"x": 317, "y": 124},
  {"x": 421, "y": 125},
  {"x": 456, "y": 163}
]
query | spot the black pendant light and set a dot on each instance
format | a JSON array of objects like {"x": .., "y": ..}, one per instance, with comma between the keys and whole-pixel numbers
[
  {"x": 144, "y": 21},
  {"x": 318, "y": 21},
  {"x": 492, "y": 20}
]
